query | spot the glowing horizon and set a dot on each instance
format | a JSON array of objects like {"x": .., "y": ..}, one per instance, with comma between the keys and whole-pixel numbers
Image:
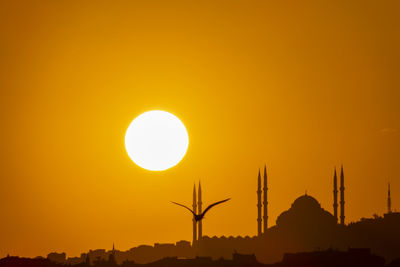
[{"x": 299, "y": 86}]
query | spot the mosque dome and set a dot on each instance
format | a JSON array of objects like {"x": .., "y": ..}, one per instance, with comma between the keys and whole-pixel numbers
[
  {"x": 305, "y": 212},
  {"x": 306, "y": 201}
]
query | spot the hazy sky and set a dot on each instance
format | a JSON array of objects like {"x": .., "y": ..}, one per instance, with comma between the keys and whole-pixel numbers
[{"x": 302, "y": 86}]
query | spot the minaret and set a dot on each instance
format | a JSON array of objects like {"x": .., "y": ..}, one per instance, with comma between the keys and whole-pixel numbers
[
  {"x": 265, "y": 200},
  {"x": 111, "y": 257},
  {"x": 194, "y": 221},
  {"x": 259, "y": 220},
  {"x": 199, "y": 204},
  {"x": 335, "y": 192},
  {"x": 341, "y": 196},
  {"x": 389, "y": 200}
]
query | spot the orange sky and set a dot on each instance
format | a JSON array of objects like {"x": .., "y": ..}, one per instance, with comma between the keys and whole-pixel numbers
[{"x": 302, "y": 87}]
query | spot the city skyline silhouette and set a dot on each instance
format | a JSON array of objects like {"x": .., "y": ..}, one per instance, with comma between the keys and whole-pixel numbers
[
  {"x": 304, "y": 228},
  {"x": 111, "y": 110}
]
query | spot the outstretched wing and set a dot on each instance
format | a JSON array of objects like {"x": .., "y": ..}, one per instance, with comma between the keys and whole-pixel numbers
[
  {"x": 194, "y": 214},
  {"x": 214, "y": 204}
]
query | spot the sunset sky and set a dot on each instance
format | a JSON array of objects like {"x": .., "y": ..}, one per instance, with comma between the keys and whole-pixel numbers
[{"x": 302, "y": 86}]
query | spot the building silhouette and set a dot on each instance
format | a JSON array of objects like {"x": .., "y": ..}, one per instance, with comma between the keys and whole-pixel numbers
[
  {"x": 262, "y": 207},
  {"x": 259, "y": 205},
  {"x": 389, "y": 201},
  {"x": 265, "y": 200},
  {"x": 194, "y": 206},
  {"x": 353, "y": 257},
  {"x": 341, "y": 196},
  {"x": 306, "y": 227},
  {"x": 199, "y": 204},
  {"x": 303, "y": 203},
  {"x": 111, "y": 257},
  {"x": 335, "y": 193},
  {"x": 328, "y": 258}
]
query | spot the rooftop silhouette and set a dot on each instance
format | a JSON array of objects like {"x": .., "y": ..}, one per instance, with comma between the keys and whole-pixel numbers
[
  {"x": 304, "y": 234},
  {"x": 327, "y": 258}
]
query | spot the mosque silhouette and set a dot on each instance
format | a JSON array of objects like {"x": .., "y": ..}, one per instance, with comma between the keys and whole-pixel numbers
[{"x": 304, "y": 228}]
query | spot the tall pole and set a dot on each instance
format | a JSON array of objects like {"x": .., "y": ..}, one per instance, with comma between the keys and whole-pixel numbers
[
  {"x": 389, "y": 200},
  {"x": 259, "y": 220},
  {"x": 194, "y": 221},
  {"x": 342, "y": 196},
  {"x": 335, "y": 194},
  {"x": 265, "y": 200},
  {"x": 199, "y": 204}
]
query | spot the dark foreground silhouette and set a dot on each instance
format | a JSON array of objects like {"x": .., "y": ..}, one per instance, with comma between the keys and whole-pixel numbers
[
  {"x": 304, "y": 226},
  {"x": 328, "y": 258}
]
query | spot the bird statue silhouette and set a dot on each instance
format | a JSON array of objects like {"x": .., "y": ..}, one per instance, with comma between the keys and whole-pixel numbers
[{"x": 199, "y": 217}]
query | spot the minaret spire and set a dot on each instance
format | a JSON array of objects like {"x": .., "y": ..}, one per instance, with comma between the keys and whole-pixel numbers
[
  {"x": 342, "y": 196},
  {"x": 335, "y": 194},
  {"x": 199, "y": 204},
  {"x": 194, "y": 221},
  {"x": 259, "y": 220},
  {"x": 265, "y": 200},
  {"x": 111, "y": 257},
  {"x": 389, "y": 200}
]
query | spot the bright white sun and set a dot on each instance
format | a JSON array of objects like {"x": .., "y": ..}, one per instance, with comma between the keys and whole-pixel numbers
[{"x": 156, "y": 140}]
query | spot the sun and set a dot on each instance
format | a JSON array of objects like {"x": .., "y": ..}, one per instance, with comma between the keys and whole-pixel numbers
[{"x": 156, "y": 140}]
